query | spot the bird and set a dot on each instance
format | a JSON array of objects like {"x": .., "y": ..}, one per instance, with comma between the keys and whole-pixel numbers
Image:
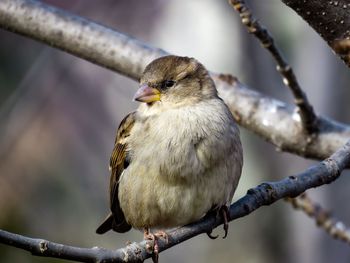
[{"x": 177, "y": 157}]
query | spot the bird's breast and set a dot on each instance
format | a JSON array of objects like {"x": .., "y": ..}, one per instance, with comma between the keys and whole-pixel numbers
[
  {"x": 167, "y": 143},
  {"x": 176, "y": 173}
]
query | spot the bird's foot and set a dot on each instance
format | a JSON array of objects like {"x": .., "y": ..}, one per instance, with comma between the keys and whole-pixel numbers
[
  {"x": 162, "y": 234},
  {"x": 209, "y": 234},
  {"x": 155, "y": 238},
  {"x": 225, "y": 214},
  {"x": 223, "y": 210}
]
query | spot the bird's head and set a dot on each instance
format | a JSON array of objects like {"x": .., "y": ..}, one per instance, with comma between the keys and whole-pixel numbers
[{"x": 175, "y": 80}]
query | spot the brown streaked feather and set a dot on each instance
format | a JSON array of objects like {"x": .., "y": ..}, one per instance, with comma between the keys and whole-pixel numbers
[{"x": 117, "y": 164}]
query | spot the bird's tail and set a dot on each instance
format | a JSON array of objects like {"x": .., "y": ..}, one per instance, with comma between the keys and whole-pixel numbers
[
  {"x": 110, "y": 223},
  {"x": 106, "y": 225}
]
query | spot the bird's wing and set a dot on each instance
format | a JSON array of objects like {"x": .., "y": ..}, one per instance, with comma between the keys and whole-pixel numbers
[{"x": 118, "y": 162}]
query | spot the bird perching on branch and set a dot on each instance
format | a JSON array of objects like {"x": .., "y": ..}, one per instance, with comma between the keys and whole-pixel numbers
[{"x": 178, "y": 157}]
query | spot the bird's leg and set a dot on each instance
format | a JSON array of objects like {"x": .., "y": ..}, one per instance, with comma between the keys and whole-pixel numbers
[
  {"x": 223, "y": 210},
  {"x": 209, "y": 233},
  {"x": 147, "y": 235},
  {"x": 162, "y": 234},
  {"x": 225, "y": 214}
]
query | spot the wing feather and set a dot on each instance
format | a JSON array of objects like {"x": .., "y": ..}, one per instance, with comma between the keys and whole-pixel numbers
[{"x": 118, "y": 162}]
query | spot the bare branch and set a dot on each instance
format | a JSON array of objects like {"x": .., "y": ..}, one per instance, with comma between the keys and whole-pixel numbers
[
  {"x": 330, "y": 19},
  {"x": 77, "y": 36},
  {"x": 276, "y": 121},
  {"x": 323, "y": 218},
  {"x": 264, "y": 194},
  {"x": 273, "y": 120},
  {"x": 44, "y": 248},
  {"x": 306, "y": 111}
]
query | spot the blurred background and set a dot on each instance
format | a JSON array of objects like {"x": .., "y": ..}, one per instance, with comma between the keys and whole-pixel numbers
[{"x": 59, "y": 113}]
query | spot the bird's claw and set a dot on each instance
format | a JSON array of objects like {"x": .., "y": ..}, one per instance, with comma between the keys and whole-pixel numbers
[
  {"x": 211, "y": 236},
  {"x": 155, "y": 237},
  {"x": 225, "y": 214}
]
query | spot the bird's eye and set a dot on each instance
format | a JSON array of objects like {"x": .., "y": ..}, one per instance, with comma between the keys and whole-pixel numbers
[{"x": 169, "y": 83}]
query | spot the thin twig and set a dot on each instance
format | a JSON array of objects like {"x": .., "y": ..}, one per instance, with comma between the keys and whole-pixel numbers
[
  {"x": 265, "y": 194},
  {"x": 307, "y": 114},
  {"x": 269, "y": 118},
  {"x": 323, "y": 218}
]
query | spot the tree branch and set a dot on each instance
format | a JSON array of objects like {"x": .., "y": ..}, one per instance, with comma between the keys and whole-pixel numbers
[
  {"x": 323, "y": 218},
  {"x": 306, "y": 111},
  {"x": 330, "y": 19},
  {"x": 44, "y": 248},
  {"x": 265, "y": 194},
  {"x": 275, "y": 121}
]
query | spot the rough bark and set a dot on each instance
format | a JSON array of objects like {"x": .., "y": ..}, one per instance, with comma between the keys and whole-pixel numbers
[{"x": 330, "y": 19}]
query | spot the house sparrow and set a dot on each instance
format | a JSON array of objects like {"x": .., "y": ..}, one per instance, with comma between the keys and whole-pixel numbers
[{"x": 177, "y": 157}]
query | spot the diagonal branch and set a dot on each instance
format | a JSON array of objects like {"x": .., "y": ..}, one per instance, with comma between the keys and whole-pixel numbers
[
  {"x": 306, "y": 111},
  {"x": 330, "y": 19},
  {"x": 323, "y": 218},
  {"x": 273, "y": 120},
  {"x": 265, "y": 194}
]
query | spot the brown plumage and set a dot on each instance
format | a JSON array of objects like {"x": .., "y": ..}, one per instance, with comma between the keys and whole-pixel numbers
[
  {"x": 118, "y": 162},
  {"x": 178, "y": 156}
]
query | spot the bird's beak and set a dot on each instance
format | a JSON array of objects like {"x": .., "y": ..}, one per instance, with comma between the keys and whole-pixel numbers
[{"x": 147, "y": 94}]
